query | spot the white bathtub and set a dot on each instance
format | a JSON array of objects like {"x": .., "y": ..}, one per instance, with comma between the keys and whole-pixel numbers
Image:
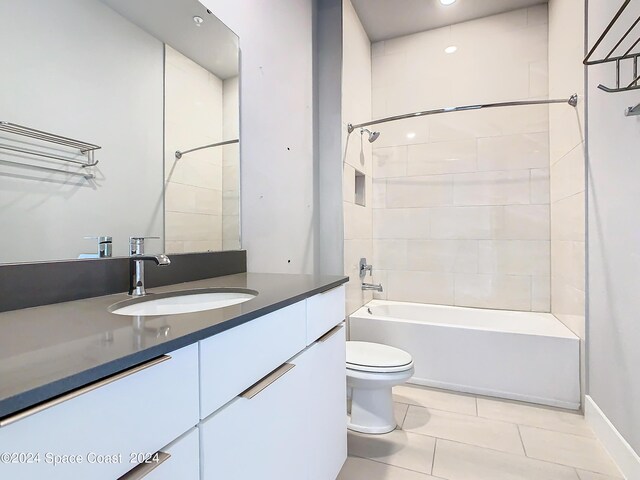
[{"x": 523, "y": 356}]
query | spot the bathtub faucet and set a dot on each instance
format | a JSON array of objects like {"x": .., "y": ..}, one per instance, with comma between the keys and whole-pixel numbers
[{"x": 371, "y": 286}]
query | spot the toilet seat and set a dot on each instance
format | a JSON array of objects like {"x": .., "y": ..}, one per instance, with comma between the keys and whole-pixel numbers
[{"x": 377, "y": 358}]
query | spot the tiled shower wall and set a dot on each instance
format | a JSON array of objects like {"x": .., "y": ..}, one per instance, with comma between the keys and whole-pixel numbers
[
  {"x": 356, "y": 108},
  {"x": 231, "y": 165},
  {"x": 566, "y": 134},
  {"x": 193, "y": 195},
  {"x": 461, "y": 210}
]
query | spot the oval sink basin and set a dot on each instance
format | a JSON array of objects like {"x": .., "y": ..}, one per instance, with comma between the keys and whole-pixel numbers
[{"x": 187, "y": 301}]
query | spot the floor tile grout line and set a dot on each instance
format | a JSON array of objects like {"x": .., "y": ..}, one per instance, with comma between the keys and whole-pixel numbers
[
  {"x": 433, "y": 458},
  {"x": 469, "y": 444},
  {"x": 404, "y": 417},
  {"x": 388, "y": 464},
  {"x": 527, "y": 457},
  {"x": 497, "y": 419},
  {"x": 470, "y": 415},
  {"x": 524, "y": 449}
]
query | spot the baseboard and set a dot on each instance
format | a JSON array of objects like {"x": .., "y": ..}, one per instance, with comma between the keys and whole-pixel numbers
[
  {"x": 551, "y": 402},
  {"x": 620, "y": 451}
]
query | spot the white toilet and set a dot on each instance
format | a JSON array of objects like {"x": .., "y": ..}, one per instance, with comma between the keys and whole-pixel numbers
[{"x": 372, "y": 370}]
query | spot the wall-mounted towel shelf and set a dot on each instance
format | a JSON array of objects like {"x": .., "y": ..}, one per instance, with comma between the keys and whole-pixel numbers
[
  {"x": 80, "y": 153},
  {"x": 619, "y": 55}
]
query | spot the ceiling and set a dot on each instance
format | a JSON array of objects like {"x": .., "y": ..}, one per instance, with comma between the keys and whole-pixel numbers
[
  {"x": 212, "y": 45},
  {"x": 385, "y": 19}
]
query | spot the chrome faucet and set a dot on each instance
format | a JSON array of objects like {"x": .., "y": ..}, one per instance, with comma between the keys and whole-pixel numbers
[
  {"x": 364, "y": 268},
  {"x": 136, "y": 266},
  {"x": 372, "y": 286}
]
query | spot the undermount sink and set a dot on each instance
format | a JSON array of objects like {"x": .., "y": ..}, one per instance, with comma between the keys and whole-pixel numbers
[{"x": 186, "y": 301}]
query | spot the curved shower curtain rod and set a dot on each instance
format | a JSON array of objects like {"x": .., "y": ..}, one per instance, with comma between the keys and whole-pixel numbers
[{"x": 572, "y": 100}]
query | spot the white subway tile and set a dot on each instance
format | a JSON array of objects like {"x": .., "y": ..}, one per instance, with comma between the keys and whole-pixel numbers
[
  {"x": 541, "y": 293},
  {"x": 390, "y": 162},
  {"x": 514, "y": 257},
  {"x": 540, "y": 185},
  {"x": 192, "y": 227},
  {"x": 348, "y": 183},
  {"x": 357, "y": 222},
  {"x": 567, "y": 174},
  {"x": 468, "y": 125},
  {"x": 405, "y": 132},
  {"x": 566, "y": 130},
  {"x": 567, "y": 218},
  {"x": 442, "y": 157},
  {"x": 422, "y": 287},
  {"x": 401, "y": 223},
  {"x": 508, "y": 292},
  {"x": 568, "y": 262},
  {"x": 390, "y": 254},
  {"x": 379, "y": 193},
  {"x": 386, "y": 70},
  {"x": 427, "y": 191},
  {"x": 514, "y": 152},
  {"x": 538, "y": 14},
  {"x": 462, "y": 222},
  {"x": 539, "y": 79},
  {"x": 522, "y": 222},
  {"x": 492, "y": 188},
  {"x": 443, "y": 256}
]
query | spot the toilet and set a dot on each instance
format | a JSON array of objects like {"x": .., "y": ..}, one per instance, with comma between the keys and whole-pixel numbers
[{"x": 372, "y": 370}]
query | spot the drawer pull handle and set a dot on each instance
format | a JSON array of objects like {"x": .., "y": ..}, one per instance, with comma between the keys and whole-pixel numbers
[
  {"x": 330, "y": 333},
  {"x": 144, "y": 469},
  {"x": 256, "y": 388},
  {"x": 79, "y": 391}
]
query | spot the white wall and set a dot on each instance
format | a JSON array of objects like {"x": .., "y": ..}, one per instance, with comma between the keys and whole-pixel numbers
[
  {"x": 356, "y": 108},
  {"x": 613, "y": 330},
  {"x": 461, "y": 200},
  {"x": 276, "y": 130},
  {"x": 193, "y": 183},
  {"x": 76, "y": 68}
]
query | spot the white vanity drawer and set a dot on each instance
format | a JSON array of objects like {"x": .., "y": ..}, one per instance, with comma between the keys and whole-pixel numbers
[
  {"x": 324, "y": 311},
  {"x": 139, "y": 411},
  {"x": 232, "y": 361},
  {"x": 261, "y": 434},
  {"x": 179, "y": 460}
]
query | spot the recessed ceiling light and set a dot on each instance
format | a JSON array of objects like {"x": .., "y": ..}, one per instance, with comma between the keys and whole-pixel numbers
[
  {"x": 451, "y": 49},
  {"x": 411, "y": 135},
  {"x": 198, "y": 20},
  {"x": 447, "y": 2}
]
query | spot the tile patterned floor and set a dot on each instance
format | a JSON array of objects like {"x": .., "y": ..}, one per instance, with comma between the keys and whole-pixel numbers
[{"x": 447, "y": 436}]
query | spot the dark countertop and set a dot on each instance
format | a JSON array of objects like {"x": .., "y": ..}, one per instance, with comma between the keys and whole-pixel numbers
[{"x": 49, "y": 350}]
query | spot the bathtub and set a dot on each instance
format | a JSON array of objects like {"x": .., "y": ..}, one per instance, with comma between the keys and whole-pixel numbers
[{"x": 524, "y": 356}]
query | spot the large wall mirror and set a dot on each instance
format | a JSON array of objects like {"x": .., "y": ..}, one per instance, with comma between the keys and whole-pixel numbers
[{"x": 119, "y": 118}]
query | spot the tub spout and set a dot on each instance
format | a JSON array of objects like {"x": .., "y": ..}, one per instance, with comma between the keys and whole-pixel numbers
[{"x": 371, "y": 286}]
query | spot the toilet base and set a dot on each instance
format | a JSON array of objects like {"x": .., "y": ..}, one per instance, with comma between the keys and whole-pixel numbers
[
  {"x": 370, "y": 430},
  {"x": 372, "y": 400}
]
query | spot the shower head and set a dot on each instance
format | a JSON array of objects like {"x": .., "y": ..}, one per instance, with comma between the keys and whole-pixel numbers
[{"x": 373, "y": 136}]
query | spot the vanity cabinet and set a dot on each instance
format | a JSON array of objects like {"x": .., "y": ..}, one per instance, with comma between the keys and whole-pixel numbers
[
  {"x": 289, "y": 425},
  {"x": 180, "y": 460},
  {"x": 265, "y": 400},
  {"x": 325, "y": 408},
  {"x": 260, "y": 436},
  {"x": 235, "y": 359},
  {"x": 94, "y": 431}
]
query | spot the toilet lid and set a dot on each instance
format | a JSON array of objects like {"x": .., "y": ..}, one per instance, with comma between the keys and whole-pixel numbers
[{"x": 375, "y": 357}]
